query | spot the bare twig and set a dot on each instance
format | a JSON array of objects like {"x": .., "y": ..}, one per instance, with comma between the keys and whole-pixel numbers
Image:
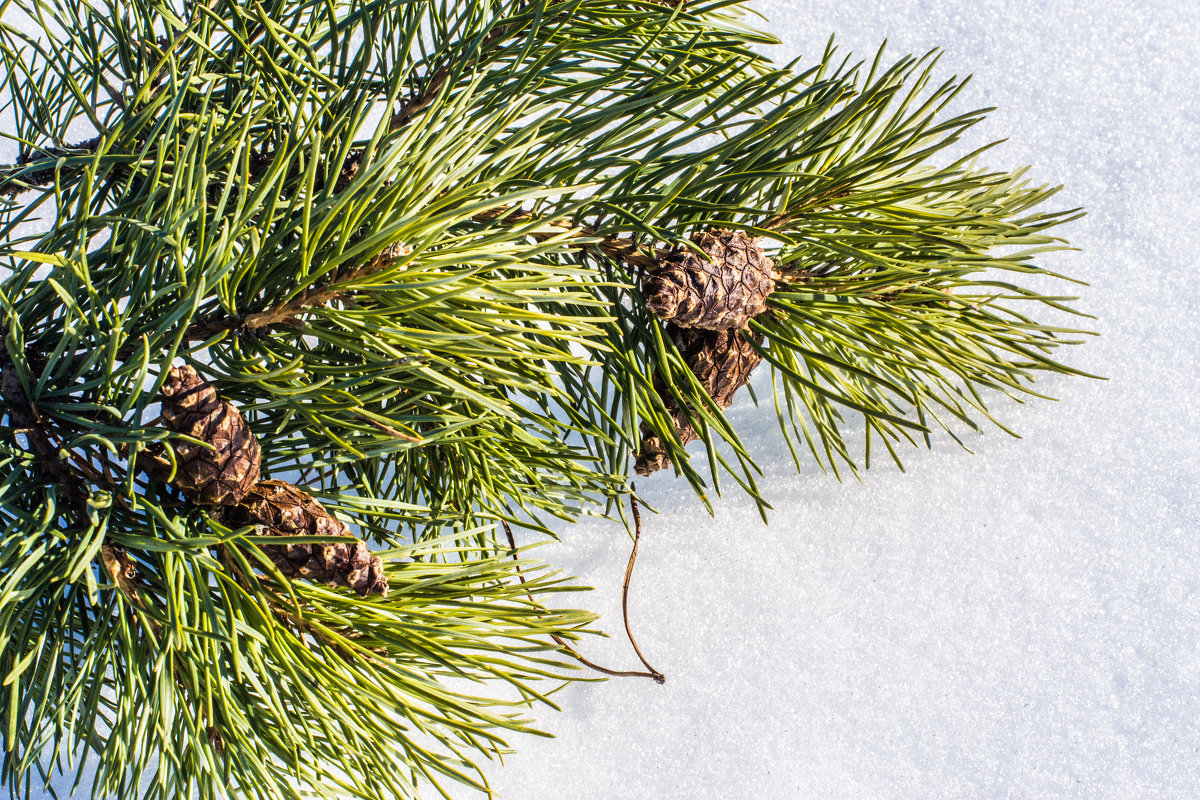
[
  {"x": 637, "y": 535},
  {"x": 44, "y": 176},
  {"x": 288, "y": 313},
  {"x": 657, "y": 676},
  {"x": 421, "y": 100},
  {"x": 388, "y": 429},
  {"x": 618, "y": 249},
  {"x": 123, "y": 573}
]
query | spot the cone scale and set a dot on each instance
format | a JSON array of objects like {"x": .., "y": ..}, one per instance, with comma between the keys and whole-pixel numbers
[{"x": 722, "y": 361}]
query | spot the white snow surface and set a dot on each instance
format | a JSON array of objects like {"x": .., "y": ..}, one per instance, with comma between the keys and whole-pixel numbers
[{"x": 1019, "y": 622}]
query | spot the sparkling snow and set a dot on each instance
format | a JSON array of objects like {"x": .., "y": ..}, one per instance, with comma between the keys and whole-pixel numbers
[{"x": 1022, "y": 622}]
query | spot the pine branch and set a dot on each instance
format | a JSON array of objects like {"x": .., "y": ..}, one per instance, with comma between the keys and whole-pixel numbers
[
  {"x": 421, "y": 248},
  {"x": 288, "y": 313}
]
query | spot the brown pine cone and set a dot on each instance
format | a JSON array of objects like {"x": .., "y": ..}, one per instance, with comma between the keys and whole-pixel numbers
[
  {"x": 721, "y": 292},
  {"x": 652, "y": 455},
  {"x": 219, "y": 475},
  {"x": 722, "y": 361},
  {"x": 284, "y": 510}
]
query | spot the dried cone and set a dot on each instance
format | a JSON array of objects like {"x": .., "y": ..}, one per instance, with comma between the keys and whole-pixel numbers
[
  {"x": 219, "y": 475},
  {"x": 722, "y": 361},
  {"x": 721, "y": 292},
  {"x": 652, "y": 455},
  {"x": 284, "y": 510}
]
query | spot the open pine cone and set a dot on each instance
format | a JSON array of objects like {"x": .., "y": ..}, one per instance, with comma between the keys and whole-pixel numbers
[
  {"x": 283, "y": 510},
  {"x": 722, "y": 361},
  {"x": 721, "y": 292},
  {"x": 219, "y": 475}
]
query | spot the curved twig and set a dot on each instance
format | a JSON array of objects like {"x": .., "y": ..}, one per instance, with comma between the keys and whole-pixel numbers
[
  {"x": 637, "y": 535},
  {"x": 657, "y": 676}
]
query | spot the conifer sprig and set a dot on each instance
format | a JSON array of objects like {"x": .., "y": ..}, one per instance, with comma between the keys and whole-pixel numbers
[{"x": 408, "y": 242}]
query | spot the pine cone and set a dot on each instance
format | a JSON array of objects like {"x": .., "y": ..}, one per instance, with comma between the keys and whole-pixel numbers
[
  {"x": 284, "y": 510},
  {"x": 723, "y": 293},
  {"x": 722, "y": 361},
  {"x": 219, "y": 475},
  {"x": 652, "y": 455}
]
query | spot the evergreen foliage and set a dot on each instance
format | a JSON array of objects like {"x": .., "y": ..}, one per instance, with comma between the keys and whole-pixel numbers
[{"x": 407, "y": 240}]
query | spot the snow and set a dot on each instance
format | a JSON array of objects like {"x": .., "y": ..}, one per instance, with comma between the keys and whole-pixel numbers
[
  {"x": 1018, "y": 622},
  {"x": 1021, "y": 622}
]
